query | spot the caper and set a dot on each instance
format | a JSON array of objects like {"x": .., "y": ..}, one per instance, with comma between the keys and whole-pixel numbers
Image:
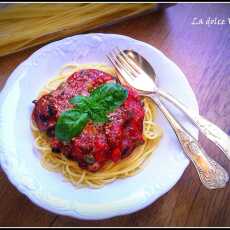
[{"x": 89, "y": 159}]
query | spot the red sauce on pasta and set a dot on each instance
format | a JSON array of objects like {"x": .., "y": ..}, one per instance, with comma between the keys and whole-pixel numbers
[{"x": 98, "y": 143}]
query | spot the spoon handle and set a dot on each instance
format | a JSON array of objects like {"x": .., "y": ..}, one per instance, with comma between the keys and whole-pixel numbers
[
  {"x": 210, "y": 130},
  {"x": 211, "y": 173}
]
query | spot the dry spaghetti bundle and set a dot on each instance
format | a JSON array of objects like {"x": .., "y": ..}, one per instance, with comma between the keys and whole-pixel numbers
[{"x": 26, "y": 25}]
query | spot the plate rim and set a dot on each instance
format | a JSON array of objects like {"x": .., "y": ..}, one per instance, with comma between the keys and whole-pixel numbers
[{"x": 11, "y": 79}]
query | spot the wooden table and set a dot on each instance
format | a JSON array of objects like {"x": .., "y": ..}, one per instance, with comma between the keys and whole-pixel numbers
[{"x": 203, "y": 54}]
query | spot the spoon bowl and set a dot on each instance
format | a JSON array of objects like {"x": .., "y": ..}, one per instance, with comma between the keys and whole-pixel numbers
[{"x": 142, "y": 63}]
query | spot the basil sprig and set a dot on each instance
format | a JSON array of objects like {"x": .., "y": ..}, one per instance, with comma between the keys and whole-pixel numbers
[{"x": 103, "y": 100}]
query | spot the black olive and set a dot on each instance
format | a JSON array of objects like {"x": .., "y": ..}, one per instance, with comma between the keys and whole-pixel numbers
[
  {"x": 51, "y": 110},
  {"x": 70, "y": 157},
  {"x": 35, "y": 102},
  {"x": 125, "y": 152},
  {"x": 139, "y": 142},
  {"x": 82, "y": 73},
  {"x": 89, "y": 159},
  {"x": 82, "y": 164},
  {"x": 142, "y": 103},
  {"x": 50, "y": 132},
  {"x": 56, "y": 150},
  {"x": 43, "y": 118}
]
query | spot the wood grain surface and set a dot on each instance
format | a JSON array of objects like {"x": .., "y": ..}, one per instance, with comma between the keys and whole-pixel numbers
[
  {"x": 203, "y": 54},
  {"x": 55, "y": 21}
]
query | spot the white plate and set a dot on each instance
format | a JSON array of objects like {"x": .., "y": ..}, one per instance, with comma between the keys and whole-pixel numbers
[{"x": 21, "y": 162}]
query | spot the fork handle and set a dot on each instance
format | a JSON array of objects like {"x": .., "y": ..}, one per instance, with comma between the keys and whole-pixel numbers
[
  {"x": 211, "y": 173},
  {"x": 210, "y": 130}
]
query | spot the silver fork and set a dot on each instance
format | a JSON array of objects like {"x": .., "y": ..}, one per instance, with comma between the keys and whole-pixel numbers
[
  {"x": 142, "y": 72},
  {"x": 211, "y": 173}
]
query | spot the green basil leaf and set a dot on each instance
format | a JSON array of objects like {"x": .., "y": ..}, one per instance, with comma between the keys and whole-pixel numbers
[
  {"x": 108, "y": 96},
  {"x": 77, "y": 99},
  {"x": 103, "y": 100},
  {"x": 82, "y": 102},
  {"x": 99, "y": 116},
  {"x": 70, "y": 124}
]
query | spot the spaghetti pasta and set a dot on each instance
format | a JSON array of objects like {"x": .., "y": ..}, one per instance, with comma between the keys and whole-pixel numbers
[
  {"x": 30, "y": 24},
  {"x": 111, "y": 171}
]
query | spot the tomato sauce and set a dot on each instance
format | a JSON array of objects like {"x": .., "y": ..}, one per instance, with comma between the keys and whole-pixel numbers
[{"x": 98, "y": 143}]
